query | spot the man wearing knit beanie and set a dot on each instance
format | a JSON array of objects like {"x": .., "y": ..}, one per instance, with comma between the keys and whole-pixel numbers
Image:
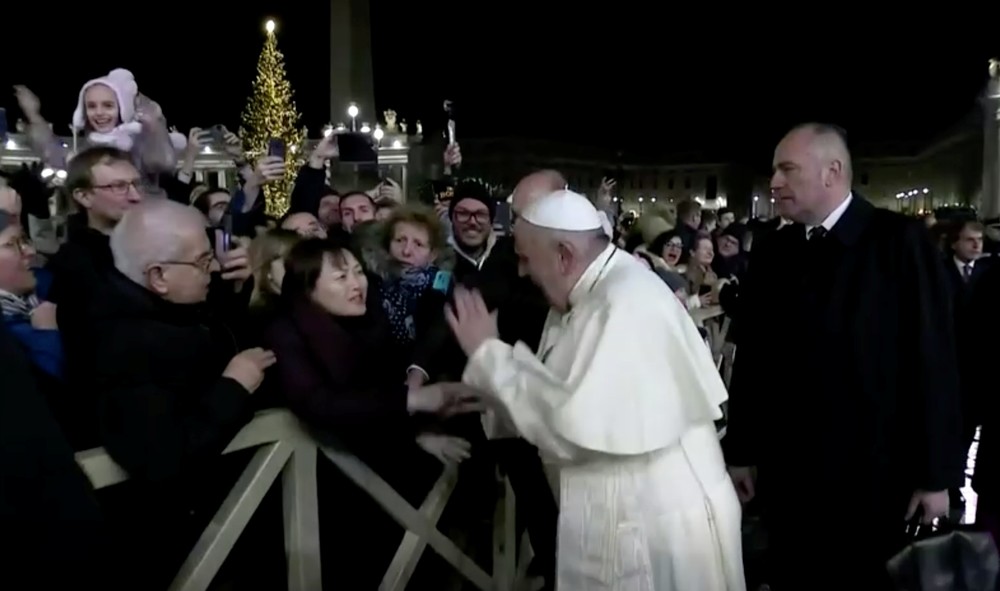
[{"x": 471, "y": 211}]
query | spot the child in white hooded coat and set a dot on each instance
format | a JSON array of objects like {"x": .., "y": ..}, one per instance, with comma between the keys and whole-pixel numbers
[{"x": 110, "y": 112}]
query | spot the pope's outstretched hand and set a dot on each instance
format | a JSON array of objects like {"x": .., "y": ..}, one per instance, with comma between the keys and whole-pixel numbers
[
  {"x": 444, "y": 399},
  {"x": 470, "y": 319}
]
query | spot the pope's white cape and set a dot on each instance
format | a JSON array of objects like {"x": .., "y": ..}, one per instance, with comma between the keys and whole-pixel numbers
[
  {"x": 625, "y": 371},
  {"x": 622, "y": 401}
]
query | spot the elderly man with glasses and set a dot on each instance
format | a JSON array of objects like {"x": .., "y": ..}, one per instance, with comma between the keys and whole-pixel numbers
[{"x": 175, "y": 386}]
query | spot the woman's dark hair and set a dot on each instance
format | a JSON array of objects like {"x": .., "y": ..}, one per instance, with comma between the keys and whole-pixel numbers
[
  {"x": 304, "y": 264},
  {"x": 660, "y": 242}
]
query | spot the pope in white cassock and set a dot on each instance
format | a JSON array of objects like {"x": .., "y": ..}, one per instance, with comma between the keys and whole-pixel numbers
[{"x": 621, "y": 402}]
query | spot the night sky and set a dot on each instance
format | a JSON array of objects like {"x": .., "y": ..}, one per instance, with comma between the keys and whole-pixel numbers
[{"x": 650, "y": 83}]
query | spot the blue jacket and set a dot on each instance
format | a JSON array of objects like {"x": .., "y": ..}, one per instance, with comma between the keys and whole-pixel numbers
[{"x": 44, "y": 347}]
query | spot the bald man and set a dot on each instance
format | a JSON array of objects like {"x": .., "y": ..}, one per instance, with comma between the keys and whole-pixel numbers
[
  {"x": 862, "y": 430},
  {"x": 532, "y": 187}
]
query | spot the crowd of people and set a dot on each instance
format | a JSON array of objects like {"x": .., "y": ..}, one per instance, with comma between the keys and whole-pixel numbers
[{"x": 570, "y": 352}]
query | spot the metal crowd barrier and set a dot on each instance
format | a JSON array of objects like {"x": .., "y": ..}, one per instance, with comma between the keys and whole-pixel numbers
[{"x": 286, "y": 449}]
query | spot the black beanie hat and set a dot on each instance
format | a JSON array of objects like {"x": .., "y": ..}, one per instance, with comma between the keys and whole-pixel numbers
[{"x": 475, "y": 191}]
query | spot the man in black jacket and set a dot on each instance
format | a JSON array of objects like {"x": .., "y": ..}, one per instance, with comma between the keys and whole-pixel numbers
[
  {"x": 845, "y": 396},
  {"x": 174, "y": 385}
]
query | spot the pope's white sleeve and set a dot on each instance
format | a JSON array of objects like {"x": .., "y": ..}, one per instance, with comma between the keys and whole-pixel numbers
[
  {"x": 528, "y": 390},
  {"x": 631, "y": 379}
]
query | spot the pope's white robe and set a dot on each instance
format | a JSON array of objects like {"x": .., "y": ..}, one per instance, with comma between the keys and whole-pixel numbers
[{"x": 622, "y": 401}]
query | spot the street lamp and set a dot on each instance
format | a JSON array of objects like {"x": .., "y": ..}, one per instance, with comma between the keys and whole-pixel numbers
[{"x": 352, "y": 112}]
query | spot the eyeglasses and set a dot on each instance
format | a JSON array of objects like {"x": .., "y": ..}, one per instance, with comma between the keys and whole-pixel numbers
[
  {"x": 203, "y": 264},
  {"x": 463, "y": 217},
  {"x": 120, "y": 187},
  {"x": 20, "y": 245}
]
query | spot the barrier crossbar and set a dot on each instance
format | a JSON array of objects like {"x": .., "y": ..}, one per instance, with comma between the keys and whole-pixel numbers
[{"x": 286, "y": 449}]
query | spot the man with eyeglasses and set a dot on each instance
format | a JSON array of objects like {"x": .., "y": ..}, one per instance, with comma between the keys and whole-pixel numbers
[
  {"x": 103, "y": 184},
  {"x": 174, "y": 385}
]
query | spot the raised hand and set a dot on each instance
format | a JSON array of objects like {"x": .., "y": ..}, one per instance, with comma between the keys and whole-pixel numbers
[{"x": 470, "y": 320}]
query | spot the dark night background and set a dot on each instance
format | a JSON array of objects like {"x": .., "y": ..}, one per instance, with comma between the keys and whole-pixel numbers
[{"x": 648, "y": 82}]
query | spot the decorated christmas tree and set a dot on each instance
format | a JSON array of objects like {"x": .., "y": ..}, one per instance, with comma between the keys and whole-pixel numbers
[{"x": 271, "y": 114}]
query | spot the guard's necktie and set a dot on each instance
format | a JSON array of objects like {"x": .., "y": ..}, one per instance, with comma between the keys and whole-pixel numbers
[
  {"x": 966, "y": 271},
  {"x": 817, "y": 233}
]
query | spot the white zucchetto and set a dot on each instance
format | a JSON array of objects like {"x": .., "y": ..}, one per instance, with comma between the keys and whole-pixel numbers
[{"x": 563, "y": 210}]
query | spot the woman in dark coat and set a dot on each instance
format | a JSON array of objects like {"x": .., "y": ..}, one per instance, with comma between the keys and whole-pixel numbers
[{"x": 343, "y": 374}]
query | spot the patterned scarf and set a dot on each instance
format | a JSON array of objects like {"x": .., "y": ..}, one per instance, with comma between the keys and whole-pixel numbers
[
  {"x": 400, "y": 295},
  {"x": 17, "y": 307}
]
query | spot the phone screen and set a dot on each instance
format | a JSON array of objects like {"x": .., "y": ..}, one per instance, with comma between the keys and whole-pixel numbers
[
  {"x": 225, "y": 237},
  {"x": 3, "y": 125},
  {"x": 276, "y": 147}
]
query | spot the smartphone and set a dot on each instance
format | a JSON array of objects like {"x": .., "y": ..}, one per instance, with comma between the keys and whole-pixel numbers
[
  {"x": 276, "y": 147},
  {"x": 218, "y": 134},
  {"x": 225, "y": 238},
  {"x": 3, "y": 125}
]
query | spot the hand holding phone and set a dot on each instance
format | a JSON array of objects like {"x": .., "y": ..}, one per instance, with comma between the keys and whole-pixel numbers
[
  {"x": 270, "y": 168},
  {"x": 276, "y": 147}
]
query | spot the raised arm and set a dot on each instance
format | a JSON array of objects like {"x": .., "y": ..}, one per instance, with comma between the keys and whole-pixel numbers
[{"x": 43, "y": 141}]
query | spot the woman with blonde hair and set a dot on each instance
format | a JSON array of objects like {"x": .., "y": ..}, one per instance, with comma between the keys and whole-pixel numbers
[
  {"x": 267, "y": 254},
  {"x": 267, "y": 258},
  {"x": 416, "y": 243}
]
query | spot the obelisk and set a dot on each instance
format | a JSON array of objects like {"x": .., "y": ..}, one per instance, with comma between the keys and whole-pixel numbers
[
  {"x": 990, "y": 203},
  {"x": 351, "y": 61}
]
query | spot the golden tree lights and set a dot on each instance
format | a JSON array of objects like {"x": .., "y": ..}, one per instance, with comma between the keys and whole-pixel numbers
[{"x": 271, "y": 114}]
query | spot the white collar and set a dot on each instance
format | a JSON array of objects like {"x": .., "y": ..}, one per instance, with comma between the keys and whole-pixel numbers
[
  {"x": 835, "y": 215},
  {"x": 591, "y": 275}
]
